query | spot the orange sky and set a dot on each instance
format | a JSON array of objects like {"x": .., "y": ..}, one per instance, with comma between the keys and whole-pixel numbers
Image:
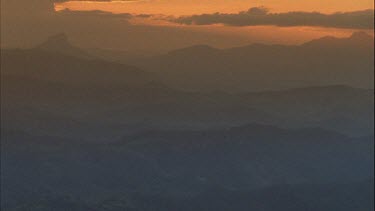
[
  {"x": 187, "y": 7},
  {"x": 249, "y": 34},
  {"x": 24, "y": 25}
]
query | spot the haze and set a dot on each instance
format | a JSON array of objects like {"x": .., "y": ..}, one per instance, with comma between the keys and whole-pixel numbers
[{"x": 187, "y": 105}]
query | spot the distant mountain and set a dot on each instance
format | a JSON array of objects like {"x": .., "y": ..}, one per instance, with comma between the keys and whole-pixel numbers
[
  {"x": 50, "y": 66},
  {"x": 39, "y": 86},
  {"x": 356, "y": 40},
  {"x": 79, "y": 133},
  {"x": 30, "y": 103},
  {"x": 59, "y": 43},
  {"x": 325, "y": 61},
  {"x": 51, "y": 93}
]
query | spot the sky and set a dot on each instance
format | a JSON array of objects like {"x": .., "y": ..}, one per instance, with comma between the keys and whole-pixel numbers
[
  {"x": 163, "y": 25},
  {"x": 189, "y": 7}
]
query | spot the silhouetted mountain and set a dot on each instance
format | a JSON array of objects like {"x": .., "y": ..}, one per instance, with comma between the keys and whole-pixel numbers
[
  {"x": 260, "y": 127},
  {"x": 324, "y": 61},
  {"x": 57, "y": 67},
  {"x": 94, "y": 93},
  {"x": 68, "y": 123},
  {"x": 37, "y": 84},
  {"x": 48, "y": 92},
  {"x": 59, "y": 43}
]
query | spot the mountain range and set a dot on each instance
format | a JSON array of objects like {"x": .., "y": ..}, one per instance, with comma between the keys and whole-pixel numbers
[
  {"x": 325, "y": 61},
  {"x": 90, "y": 90},
  {"x": 321, "y": 62},
  {"x": 260, "y": 127}
]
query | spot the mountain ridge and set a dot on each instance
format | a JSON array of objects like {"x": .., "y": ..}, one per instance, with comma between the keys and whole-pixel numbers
[{"x": 261, "y": 67}]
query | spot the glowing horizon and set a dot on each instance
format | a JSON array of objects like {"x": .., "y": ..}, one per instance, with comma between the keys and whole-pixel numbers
[{"x": 179, "y": 7}]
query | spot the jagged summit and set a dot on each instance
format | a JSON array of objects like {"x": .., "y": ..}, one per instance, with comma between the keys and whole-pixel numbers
[
  {"x": 55, "y": 42},
  {"x": 59, "y": 43}
]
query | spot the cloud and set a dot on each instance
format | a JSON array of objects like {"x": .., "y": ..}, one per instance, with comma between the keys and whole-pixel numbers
[
  {"x": 96, "y": 13},
  {"x": 26, "y": 23},
  {"x": 261, "y": 16}
]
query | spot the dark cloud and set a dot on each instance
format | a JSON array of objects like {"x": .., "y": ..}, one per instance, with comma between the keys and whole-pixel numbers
[
  {"x": 261, "y": 16},
  {"x": 96, "y": 13}
]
